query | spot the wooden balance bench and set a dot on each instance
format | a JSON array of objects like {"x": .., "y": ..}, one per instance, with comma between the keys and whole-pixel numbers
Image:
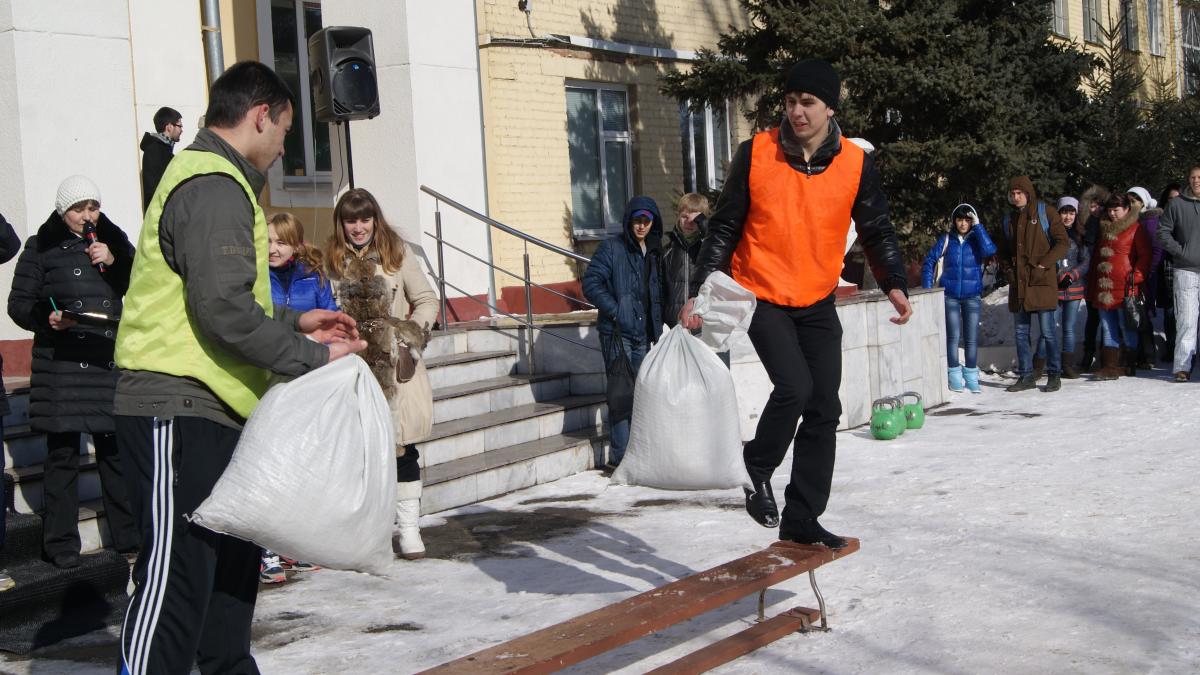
[{"x": 570, "y": 642}]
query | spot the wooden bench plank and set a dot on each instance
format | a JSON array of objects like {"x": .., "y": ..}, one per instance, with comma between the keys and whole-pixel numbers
[
  {"x": 741, "y": 643},
  {"x": 596, "y": 632}
]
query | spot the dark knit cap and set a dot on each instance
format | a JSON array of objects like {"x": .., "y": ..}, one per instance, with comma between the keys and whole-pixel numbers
[{"x": 816, "y": 77}]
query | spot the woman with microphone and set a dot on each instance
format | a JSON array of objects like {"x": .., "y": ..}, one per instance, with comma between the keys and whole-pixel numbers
[{"x": 67, "y": 290}]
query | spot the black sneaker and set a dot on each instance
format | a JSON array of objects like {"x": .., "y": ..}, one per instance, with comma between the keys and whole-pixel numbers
[
  {"x": 66, "y": 561},
  {"x": 809, "y": 531},
  {"x": 1023, "y": 384},
  {"x": 760, "y": 504},
  {"x": 1053, "y": 383}
]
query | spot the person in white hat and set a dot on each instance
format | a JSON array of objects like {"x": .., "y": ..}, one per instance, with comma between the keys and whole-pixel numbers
[
  {"x": 1146, "y": 354},
  {"x": 67, "y": 291}
]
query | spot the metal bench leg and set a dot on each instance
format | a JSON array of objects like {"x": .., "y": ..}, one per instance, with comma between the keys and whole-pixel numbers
[{"x": 824, "y": 627}]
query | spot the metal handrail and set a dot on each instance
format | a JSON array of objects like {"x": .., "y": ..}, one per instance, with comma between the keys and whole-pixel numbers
[
  {"x": 504, "y": 228},
  {"x": 526, "y": 280}
]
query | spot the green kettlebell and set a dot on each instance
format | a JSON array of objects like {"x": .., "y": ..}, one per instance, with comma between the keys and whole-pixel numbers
[
  {"x": 914, "y": 412},
  {"x": 898, "y": 413},
  {"x": 884, "y": 425}
]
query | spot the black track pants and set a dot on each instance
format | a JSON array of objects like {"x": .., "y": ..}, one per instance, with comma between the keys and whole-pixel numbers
[
  {"x": 801, "y": 349},
  {"x": 195, "y": 588}
]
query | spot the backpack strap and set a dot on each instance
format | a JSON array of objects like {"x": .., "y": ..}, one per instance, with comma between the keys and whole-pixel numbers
[{"x": 1042, "y": 219}]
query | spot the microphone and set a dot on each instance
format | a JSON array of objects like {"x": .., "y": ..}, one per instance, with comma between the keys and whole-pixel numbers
[{"x": 89, "y": 233}]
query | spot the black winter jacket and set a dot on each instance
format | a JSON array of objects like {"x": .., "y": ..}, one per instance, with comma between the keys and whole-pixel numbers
[
  {"x": 10, "y": 244},
  {"x": 73, "y": 372},
  {"x": 625, "y": 284},
  {"x": 870, "y": 211},
  {"x": 156, "y": 155},
  {"x": 680, "y": 270}
]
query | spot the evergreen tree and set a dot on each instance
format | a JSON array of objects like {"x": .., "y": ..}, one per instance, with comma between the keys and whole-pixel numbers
[{"x": 956, "y": 95}]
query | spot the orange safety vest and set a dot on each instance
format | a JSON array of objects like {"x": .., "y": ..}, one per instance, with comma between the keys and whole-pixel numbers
[{"x": 794, "y": 237}]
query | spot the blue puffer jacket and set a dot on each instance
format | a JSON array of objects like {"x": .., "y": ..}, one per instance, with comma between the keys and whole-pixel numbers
[
  {"x": 293, "y": 285},
  {"x": 962, "y": 266},
  {"x": 616, "y": 283}
]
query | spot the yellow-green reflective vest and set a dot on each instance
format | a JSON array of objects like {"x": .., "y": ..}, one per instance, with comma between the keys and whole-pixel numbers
[{"x": 156, "y": 331}]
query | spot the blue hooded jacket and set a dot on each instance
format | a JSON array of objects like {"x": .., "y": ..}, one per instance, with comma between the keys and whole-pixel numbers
[
  {"x": 294, "y": 286},
  {"x": 962, "y": 267},
  {"x": 616, "y": 280}
]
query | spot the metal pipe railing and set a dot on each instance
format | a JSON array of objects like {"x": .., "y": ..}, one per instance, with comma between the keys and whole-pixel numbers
[{"x": 504, "y": 228}]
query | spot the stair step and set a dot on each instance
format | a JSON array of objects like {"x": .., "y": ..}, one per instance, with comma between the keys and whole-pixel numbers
[
  {"x": 473, "y": 479},
  {"x": 49, "y": 605},
  {"x": 23, "y": 538},
  {"x": 27, "y": 493},
  {"x": 475, "y": 435},
  {"x": 497, "y": 393},
  {"x": 455, "y": 369}
]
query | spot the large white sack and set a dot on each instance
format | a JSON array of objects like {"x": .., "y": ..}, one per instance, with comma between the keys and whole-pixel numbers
[
  {"x": 685, "y": 433},
  {"x": 314, "y": 474},
  {"x": 726, "y": 308}
]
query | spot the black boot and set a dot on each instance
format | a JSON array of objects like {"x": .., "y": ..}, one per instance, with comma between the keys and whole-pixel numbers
[
  {"x": 760, "y": 504},
  {"x": 1088, "y": 364},
  {"x": 1025, "y": 383},
  {"x": 809, "y": 531},
  {"x": 1069, "y": 371},
  {"x": 1052, "y": 383}
]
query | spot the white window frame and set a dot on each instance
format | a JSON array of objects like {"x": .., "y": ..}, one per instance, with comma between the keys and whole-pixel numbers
[
  {"x": 1059, "y": 18},
  {"x": 1154, "y": 20},
  {"x": 612, "y": 222},
  {"x": 709, "y": 143},
  {"x": 1091, "y": 21},
  {"x": 316, "y": 188},
  {"x": 1189, "y": 28}
]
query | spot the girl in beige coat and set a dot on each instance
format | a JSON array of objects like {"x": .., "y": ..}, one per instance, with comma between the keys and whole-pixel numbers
[{"x": 377, "y": 279}]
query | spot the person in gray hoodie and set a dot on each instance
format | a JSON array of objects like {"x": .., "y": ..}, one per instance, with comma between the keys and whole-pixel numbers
[{"x": 1179, "y": 235}]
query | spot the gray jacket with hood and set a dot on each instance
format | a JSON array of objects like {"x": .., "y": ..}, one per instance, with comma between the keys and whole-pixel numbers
[
  {"x": 1179, "y": 231},
  {"x": 204, "y": 220}
]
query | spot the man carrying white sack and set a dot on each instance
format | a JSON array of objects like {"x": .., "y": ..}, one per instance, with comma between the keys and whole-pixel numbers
[
  {"x": 199, "y": 340},
  {"x": 780, "y": 229}
]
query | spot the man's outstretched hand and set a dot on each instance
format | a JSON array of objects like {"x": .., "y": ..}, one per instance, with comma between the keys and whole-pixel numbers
[
  {"x": 338, "y": 330},
  {"x": 903, "y": 308},
  {"x": 690, "y": 321}
]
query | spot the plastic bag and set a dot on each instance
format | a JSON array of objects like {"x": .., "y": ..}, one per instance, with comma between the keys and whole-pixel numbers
[
  {"x": 685, "y": 433},
  {"x": 726, "y": 308},
  {"x": 313, "y": 476}
]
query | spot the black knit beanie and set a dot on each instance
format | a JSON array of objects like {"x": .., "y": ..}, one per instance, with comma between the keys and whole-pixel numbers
[{"x": 816, "y": 77}]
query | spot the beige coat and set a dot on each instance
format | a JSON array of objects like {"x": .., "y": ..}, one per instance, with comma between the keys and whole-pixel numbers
[{"x": 414, "y": 299}]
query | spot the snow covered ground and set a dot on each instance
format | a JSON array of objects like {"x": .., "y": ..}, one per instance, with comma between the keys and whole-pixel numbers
[{"x": 1016, "y": 533}]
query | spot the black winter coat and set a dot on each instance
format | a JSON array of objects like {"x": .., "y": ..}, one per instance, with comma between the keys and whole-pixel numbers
[
  {"x": 681, "y": 271},
  {"x": 625, "y": 285},
  {"x": 10, "y": 243},
  {"x": 74, "y": 376},
  {"x": 156, "y": 155}
]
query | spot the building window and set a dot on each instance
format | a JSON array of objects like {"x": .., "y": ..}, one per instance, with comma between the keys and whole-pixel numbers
[
  {"x": 1129, "y": 37},
  {"x": 1154, "y": 26},
  {"x": 1091, "y": 20},
  {"x": 1060, "y": 17},
  {"x": 307, "y": 154},
  {"x": 1191, "y": 50},
  {"x": 600, "y": 156},
  {"x": 705, "y": 136}
]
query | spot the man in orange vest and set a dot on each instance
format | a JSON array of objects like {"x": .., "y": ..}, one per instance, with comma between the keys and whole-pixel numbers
[{"x": 780, "y": 229}]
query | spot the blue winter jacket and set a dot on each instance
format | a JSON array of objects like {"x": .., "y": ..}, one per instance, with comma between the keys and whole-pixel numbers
[
  {"x": 962, "y": 266},
  {"x": 294, "y": 286},
  {"x": 616, "y": 282}
]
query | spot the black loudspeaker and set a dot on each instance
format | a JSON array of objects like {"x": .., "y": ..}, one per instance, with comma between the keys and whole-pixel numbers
[{"x": 341, "y": 64}]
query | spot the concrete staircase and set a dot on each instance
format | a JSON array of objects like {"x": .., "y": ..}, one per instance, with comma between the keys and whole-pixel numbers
[{"x": 495, "y": 430}]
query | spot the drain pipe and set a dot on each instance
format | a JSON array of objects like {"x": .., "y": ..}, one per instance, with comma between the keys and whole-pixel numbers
[{"x": 214, "y": 57}]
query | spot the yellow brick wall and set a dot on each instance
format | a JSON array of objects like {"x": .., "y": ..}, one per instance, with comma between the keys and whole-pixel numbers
[
  {"x": 525, "y": 115},
  {"x": 1166, "y": 61}
]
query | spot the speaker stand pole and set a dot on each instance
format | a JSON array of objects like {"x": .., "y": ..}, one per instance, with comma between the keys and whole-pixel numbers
[{"x": 349, "y": 157}]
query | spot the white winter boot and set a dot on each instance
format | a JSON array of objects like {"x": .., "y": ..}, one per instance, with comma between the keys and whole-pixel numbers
[{"x": 406, "y": 541}]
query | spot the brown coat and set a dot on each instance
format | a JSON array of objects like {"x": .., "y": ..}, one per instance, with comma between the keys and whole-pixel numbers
[{"x": 1028, "y": 257}]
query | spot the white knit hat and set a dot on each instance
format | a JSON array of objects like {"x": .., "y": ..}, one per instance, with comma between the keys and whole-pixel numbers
[
  {"x": 73, "y": 190},
  {"x": 1143, "y": 194}
]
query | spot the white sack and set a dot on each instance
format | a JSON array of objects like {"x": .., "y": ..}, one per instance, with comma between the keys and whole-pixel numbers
[
  {"x": 726, "y": 308},
  {"x": 314, "y": 474},
  {"x": 685, "y": 433}
]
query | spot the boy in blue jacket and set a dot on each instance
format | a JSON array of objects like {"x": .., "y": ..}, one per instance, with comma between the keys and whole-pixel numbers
[
  {"x": 624, "y": 281},
  {"x": 956, "y": 264}
]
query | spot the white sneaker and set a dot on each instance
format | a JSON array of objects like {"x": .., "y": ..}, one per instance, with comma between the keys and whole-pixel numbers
[
  {"x": 6, "y": 582},
  {"x": 270, "y": 571}
]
